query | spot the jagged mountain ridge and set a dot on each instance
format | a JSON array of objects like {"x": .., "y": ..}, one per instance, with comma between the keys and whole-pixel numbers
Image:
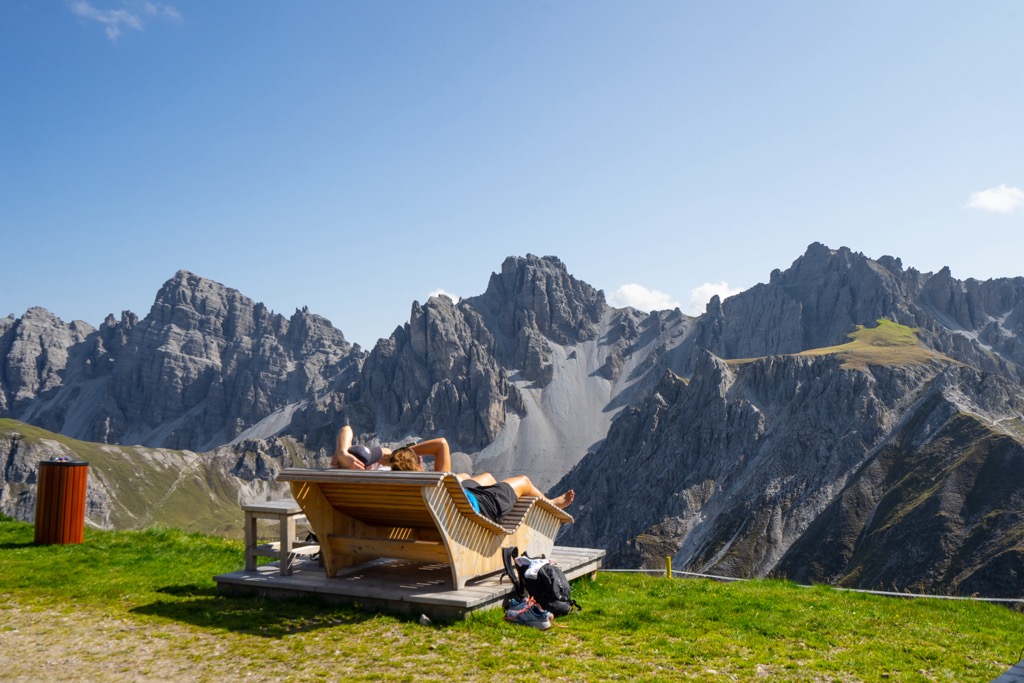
[
  {"x": 876, "y": 477},
  {"x": 826, "y": 293},
  {"x": 530, "y": 375},
  {"x": 453, "y": 369},
  {"x": 208, "y": 366},
  {"x": 203, "y": 365}
]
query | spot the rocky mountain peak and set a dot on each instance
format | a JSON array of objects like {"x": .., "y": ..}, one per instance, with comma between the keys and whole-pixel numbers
[
  {"x": 203, "y": 365},
  {"x": 205, "y": 349},
  {"x": 447, "y": 372},
  {"x": 814, "y": 303},
  {"x": 437, "y": 375},
  {"x": 538, "y": 293},
  {"x": 193, "y": 303},
  {"x": 892, "y": 264}
]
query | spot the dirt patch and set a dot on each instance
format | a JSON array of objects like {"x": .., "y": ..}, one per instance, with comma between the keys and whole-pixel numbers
[{"x": 41, "y": 644}]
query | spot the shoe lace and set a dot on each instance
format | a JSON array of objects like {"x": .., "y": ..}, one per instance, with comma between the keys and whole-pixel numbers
[{"x": 526, "y": 606}]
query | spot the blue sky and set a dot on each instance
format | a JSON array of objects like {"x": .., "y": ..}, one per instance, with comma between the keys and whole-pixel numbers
[{"x": 353, "y": 157}]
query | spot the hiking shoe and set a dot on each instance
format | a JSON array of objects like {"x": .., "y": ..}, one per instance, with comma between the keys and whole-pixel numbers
[
  {"x": 528, "y": 613},
  {"x": 514, "y": 607}
]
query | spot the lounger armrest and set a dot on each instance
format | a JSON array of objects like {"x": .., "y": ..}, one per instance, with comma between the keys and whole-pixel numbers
[
  {"x": 518, "y": 514},
  {"x": 560, "y": 514}
]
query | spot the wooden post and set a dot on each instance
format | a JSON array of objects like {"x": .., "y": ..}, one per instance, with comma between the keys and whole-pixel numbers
[{"x": 668, "y": 566}]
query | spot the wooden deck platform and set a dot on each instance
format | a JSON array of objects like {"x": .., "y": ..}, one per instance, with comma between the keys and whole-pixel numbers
[
  {"x": 395, "y": 586},
  {"x": 1015, "y": 674}
]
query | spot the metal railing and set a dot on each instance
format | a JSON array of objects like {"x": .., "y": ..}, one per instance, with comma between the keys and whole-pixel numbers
[{"x": 670, "y": 573}]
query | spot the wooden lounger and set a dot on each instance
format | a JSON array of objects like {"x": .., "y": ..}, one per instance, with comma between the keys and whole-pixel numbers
[{"x": 423, "y": 516}]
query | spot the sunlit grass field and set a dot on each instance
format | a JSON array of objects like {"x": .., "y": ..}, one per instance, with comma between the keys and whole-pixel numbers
[{"x": 142, "y": 605}]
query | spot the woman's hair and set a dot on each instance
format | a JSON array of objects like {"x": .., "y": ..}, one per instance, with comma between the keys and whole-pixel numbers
[{"x": 405, "y": 459}]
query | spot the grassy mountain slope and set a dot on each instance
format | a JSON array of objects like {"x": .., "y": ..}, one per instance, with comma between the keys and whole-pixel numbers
[
  {"x": 132, "y": 487},
  {"x": 888, "y": 343}
]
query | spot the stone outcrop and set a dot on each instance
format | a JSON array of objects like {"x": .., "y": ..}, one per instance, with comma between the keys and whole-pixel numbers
[
  {"x": 38, "y": 351},
  {"x": 438, "y": 375},
  {"x": 225, "y": 361},
  {"x": 532, "y": 302}
]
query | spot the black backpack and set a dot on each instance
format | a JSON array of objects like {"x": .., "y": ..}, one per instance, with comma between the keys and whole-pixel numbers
[{"x": 550, "y": 588}]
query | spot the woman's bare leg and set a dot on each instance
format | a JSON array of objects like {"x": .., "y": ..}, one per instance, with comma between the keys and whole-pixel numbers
[
  {"x": 524, "y": 487},
  {"x": 484, "y": 479}
]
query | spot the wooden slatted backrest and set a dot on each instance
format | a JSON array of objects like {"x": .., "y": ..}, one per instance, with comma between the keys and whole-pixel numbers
[{"x": 388, "y": 499}]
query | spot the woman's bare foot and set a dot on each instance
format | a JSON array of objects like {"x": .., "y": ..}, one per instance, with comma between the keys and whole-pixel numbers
[{"x": 564, "y": 500}]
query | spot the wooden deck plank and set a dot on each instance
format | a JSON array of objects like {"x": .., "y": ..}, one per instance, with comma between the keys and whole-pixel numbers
[
  {"x": 398, "y": 586},
  {"x": 1015, "y": 674}
]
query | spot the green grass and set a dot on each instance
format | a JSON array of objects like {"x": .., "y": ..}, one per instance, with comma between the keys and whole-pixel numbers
[
  {"x": 150, "y": 596},
  {"x": 888, "y": 344}
]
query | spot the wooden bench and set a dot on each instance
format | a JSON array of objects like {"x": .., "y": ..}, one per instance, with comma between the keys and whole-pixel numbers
[
  {"x": 360, "y": 516},
  {"x": 286, "y": 513}
]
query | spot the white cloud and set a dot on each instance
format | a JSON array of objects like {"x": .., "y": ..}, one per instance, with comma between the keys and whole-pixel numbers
[
  {"x": 1000, "y": 199},
  {"x": 700, "y": 296},
  {"x": 130, "y": 15},
  {"x": 440, "y": 292},
  {"x": 641, "y": 298}
]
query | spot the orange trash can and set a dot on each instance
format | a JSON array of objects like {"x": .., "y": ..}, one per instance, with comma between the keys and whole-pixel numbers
[{"x": 60, "y": 502}]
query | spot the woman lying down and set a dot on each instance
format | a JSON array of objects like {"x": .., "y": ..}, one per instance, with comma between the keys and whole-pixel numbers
[{"x": 489, "y": 497}]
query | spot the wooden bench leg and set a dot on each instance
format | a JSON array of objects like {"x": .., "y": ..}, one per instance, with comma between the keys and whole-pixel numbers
[
  {"x": 287, "y": 531},
  {"x": 250, "y": 542}
]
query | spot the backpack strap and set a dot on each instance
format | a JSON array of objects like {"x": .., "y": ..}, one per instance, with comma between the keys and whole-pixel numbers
[{"x": 508, "y": 556}]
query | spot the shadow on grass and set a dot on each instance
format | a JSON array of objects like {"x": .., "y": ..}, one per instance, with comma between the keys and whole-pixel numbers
[
  {"x": 188, "y": 590},
  {"x": 17, "y": 546},
  {"x": 201, "y": 606}
]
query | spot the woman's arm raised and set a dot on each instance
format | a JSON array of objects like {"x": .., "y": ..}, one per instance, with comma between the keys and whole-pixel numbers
[{"x": 439, "y": 449}]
